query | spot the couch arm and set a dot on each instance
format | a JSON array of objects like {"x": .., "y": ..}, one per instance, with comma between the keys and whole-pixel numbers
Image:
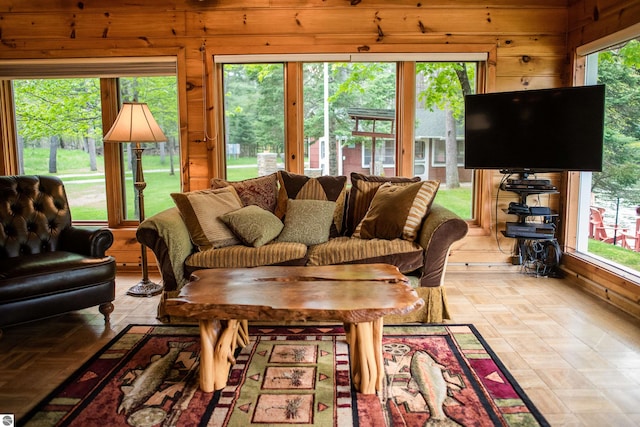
[
  {"x": 167, "y": 236},
  {"x": 92, "y": 242},
  {"x": 440, "y": 229}
]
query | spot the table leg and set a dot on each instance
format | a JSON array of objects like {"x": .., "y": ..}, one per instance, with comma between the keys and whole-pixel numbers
[
  {"x": 365, "y": 347},
  {"x": 209, "y": 331},
  {"x": 218, "y": 344}
]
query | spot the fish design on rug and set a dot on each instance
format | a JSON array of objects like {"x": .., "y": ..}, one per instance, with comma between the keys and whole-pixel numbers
[
  {"x": 148, "y": 381},
  {"x": 428, "y": 376}
]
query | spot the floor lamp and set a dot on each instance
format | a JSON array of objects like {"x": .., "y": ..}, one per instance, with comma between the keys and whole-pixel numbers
[{"x": 135, "y": 124}]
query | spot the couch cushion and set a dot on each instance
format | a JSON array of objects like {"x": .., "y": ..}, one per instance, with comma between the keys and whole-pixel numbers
[
  {"x": 331, "y": 188},
  {"x": 406, "y": 255},
  {"x": 261, "y": 191},
  {"x": 246, "y": 256},
  {"x": 200, "y": 211},
  {"x": 307, "y": 221},
  {"x": 363, "y": 189},
  {"x": 397, "y": 211},
  {"x": 253, "y": 225}
]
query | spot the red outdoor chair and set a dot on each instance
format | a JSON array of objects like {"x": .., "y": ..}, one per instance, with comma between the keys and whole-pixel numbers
[{"x": 605, "y": 233}]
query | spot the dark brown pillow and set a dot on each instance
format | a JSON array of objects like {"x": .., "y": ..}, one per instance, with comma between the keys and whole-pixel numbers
[
  {"x": 302, "y": 187},
  {"x": 397, "y": 211},
  {"x": 363, "y": 189}
]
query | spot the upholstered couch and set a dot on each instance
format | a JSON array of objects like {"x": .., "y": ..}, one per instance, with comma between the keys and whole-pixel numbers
[
  {"x": 48, "y": 266},
  {"x": 289, "y": 219}
]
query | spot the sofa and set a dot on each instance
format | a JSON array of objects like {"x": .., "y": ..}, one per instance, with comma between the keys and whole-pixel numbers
[
  {"x": 290, "y": 219},
  {"x": 48, "y": 266}
]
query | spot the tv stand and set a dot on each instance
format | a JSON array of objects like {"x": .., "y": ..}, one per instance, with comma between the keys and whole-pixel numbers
[{"x": 539, "y": 235}]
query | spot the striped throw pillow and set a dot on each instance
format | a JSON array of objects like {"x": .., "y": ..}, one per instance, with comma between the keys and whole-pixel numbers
[{"x": 397, "y": 211}]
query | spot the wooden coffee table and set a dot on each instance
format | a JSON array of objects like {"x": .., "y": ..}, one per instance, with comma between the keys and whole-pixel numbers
[{"x": 359, "y": 295}]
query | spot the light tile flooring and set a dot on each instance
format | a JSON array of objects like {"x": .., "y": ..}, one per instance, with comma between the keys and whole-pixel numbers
[{"x": 576, "y": 357}]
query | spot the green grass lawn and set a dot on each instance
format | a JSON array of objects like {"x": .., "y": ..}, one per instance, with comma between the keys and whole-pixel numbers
[{"x": 620, "y": 255}]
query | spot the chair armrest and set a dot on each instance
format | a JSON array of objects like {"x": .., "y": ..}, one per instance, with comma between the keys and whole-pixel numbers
[
  {"x": 92, "y": 242},
  {"x": 440, "y": 229},
  {"x": 166, "y": 234}
]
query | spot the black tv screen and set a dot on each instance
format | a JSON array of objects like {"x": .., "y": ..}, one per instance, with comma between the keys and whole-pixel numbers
[{"x": 539, "y": 130}]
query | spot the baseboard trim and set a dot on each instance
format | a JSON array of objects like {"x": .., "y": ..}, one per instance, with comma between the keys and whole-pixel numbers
[{"x": 602, "y": 292}]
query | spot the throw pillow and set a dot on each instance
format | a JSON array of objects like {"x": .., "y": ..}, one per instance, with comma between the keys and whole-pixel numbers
[
  {"x": 261, "y": 191},
  {"x": 307, "y": 221},
  {"x": 302, "y": 187},
  {"x": 363, "y": 189},
  {"x": 397, "y": 211},
  {"x": 253, "y": 225},
  {"x": 201, "y": 210}
]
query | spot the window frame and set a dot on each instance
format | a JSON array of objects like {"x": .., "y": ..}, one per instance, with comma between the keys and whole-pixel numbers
[
  {"x": 367, "y": 164},
  {"x": 107, "y": 70},
  {"x": 438, "y": 141},
  {"x": 574, "y": 258}
]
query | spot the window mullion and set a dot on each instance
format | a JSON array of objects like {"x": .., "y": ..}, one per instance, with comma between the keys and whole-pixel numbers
[
  {"x": 112, "y": 154},
  {"x": 8, "y": 135}
]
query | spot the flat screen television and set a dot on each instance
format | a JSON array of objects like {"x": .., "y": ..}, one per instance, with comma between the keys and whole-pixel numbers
[{"x": 542, "y": 130}]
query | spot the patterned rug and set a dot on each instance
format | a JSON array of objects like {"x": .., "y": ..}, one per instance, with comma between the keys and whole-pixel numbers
[{"x": 148, "y": 376}]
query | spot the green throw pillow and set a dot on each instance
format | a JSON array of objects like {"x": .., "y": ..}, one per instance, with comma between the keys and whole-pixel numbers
[
  {"x": 307, "y": 221},
  {"x": 253, "y": 225}
]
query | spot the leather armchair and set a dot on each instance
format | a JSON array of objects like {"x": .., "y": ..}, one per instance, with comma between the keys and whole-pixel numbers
[{"x": 48, "y": 266}]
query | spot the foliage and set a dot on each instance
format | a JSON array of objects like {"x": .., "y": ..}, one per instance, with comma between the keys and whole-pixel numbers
[
  {"x": 619, "y": 70},
  {"x": 254, "y": 107},
  {"x": 445, "y": 85},
  {"x": 67, "y": 108}
]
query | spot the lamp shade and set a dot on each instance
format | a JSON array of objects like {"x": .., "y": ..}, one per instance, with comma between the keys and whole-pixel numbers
[{"x": 135, "y": 124}]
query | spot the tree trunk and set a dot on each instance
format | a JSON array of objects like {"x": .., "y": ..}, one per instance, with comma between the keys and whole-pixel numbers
[
  {"x": 20, "y": 155},
  {"x": 451, "y": 151},
  {"x": 91, "y": 148},
  {"x": 162, "y": 147},
  {"x": 54, "y": 143},
  {"x": 172, "y": 169}
]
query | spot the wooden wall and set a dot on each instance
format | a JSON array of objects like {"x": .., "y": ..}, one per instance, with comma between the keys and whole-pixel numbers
[{"x": 527, "y": 40}]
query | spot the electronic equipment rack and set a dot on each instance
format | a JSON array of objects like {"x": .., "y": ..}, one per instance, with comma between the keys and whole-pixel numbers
[{"x": 536, "y": 243}]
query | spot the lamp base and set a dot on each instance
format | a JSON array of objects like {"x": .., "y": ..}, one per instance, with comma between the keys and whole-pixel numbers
[{"x": 145, "y": 288}]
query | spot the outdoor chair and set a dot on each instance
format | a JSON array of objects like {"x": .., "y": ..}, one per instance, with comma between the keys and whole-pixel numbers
[
  {"x": 633, "y": 236},
  {"x": 598, "y": 230}
]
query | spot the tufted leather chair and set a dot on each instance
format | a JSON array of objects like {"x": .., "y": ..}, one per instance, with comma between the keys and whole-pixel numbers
[{"x": 47, "y": 266}]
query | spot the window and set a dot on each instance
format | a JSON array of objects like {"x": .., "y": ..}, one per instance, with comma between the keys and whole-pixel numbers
[
  {"x": 387, "y": 148},
  {"x": 439, "y": 127},
  {"x": 59, "y": 132},
  {"x": 253, "y": 119},
  {"x": 161, "y": 162},
  {"x": 333, "y": 93},
  {"x": 59, "y": 128},
  {"x": 349, "y": 114},
  {"x": 439, "y": 156},
  {"x": 609, "y": 215}
]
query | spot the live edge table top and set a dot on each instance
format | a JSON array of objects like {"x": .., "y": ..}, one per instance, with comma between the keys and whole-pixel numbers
[{"x": 349, "y": 293}]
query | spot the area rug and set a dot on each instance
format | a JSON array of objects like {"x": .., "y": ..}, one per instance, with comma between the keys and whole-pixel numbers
[{"x": 148, "y": 376}]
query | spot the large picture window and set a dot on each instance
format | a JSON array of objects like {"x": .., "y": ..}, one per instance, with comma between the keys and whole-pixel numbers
[
  {"x": 609, "y": 215},
  {"x": 59, "y": 128},
  {"x": 350, "y": 111}
]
